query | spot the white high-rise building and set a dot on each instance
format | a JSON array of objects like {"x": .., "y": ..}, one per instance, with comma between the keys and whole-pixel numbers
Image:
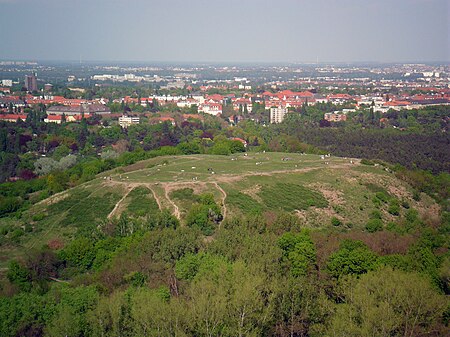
[{"x": 277, "y": 114}]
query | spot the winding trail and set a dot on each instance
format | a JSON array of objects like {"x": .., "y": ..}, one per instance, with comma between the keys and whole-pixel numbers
[
  {"x": 223, "y": 178},
  {"x": 224, "y": 196},
  {"x": 175, "y": 207},
  {"x": 155, "y": 196},
  {"x": 129, "y": 189}
]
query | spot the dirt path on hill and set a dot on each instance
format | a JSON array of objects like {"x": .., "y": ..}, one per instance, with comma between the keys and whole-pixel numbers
[
  {"x": 225, "y": 178},
  {"x": 175, "y": 207},
  {"x": 129, "y": 187},
  {"x": 224, "y": 196},
  {"x": 234, "y": 177},
  {"x": 155, "y": 196},
  {"x": 116, "y": 207}
]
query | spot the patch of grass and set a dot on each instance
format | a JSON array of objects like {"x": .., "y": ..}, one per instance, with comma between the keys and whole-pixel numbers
[
  {"x": 244, "y": 202},
  {"x": 142, "y": 202},
  {"x": 185, "y": 199},
  {"x": 89, "y": 213},
  {"x": 375, "y": 188},
  {"x": 75, "y": 197},
  {"x": 82, "y": 208},
  {"x": 184, "y": 194},
  {"x": 290, "y": 197}
]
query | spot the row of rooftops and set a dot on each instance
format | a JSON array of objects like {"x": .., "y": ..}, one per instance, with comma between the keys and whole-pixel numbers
[{"x": 213, "y": 103}]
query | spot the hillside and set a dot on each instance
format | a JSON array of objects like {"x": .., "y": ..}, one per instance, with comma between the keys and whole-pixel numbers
[{"x": 328, "y": 192}]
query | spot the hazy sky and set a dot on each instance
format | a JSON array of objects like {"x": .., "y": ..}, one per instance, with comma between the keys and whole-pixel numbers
[{"x": 226, "y": 30}]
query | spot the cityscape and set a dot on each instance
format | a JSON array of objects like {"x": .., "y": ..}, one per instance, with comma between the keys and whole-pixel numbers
[{"x": 279, "y": 89}]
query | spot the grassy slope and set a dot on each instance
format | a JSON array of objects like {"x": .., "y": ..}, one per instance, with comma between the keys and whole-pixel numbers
[{"x": 304, "y": 184}]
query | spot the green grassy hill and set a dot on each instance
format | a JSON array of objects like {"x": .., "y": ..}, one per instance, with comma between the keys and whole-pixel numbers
[{"x": 322, "y": 192}]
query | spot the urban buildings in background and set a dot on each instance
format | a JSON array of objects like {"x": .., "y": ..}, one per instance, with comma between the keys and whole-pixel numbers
[
  {"x": 31, "y": 82},
  {"x": 264, "y": 94},
  {"x": 277, "y": 114}
]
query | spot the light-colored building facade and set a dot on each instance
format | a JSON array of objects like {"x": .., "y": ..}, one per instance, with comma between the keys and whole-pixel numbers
[
  {"x": 277, "y": 114},
  {"x": 126, "y": 121}
]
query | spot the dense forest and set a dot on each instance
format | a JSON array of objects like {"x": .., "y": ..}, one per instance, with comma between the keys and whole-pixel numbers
[{"x": 256, "y": 277}]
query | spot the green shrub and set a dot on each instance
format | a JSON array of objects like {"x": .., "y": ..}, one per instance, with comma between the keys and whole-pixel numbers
[
  {"x": 382, "y": 196},
  {"x": 353, "y": 257},
  {"x": 375, "y": 214},
  {"x": 9, "y": 205},
  {"x": 374, "y": 225},
  {"x": 335, "y": 221},
  {"x": 367, "y": 162},
  {"x": 38, "y": 217},
  {"x": 394, "y": 207}
]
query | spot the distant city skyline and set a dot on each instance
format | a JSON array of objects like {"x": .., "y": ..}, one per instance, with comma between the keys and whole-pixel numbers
[{"x": 232, "y": 31}]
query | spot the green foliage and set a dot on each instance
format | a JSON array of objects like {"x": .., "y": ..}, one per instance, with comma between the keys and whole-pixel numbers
[
  {"x": 244, "y": 202},
  {"x": 375, "y": 214},
  {"x": 19, "y": 275},
  {"x": 299, "y": 252},
  {"x": 220, "y": 149},
  {"x": 9, "y": 205},
  {"x": 22, "y": 313},
  {"x": 367, "y": 162},
  {"x": 353, "y": 257},
  {"x": 185, "y": 194},
  {"x": 83, "y": 208},
  {"x": 335, "y": 221},
  {"x": 142, "y": 202},
  {"x": 387, "y": 303},
  {"x": 79, "y": 253},
  {"x": 374, "y": 225},
  {"x": 69, "y": 315},
  {"x": 200, "y": 265},
  {"x": 382, "y": 196},
  {"x": 136, "y": 279},
  {"x": 163, "y": 219},
  {"x": 189, "y": 148},
  {"x": 187, "y": 267},
  {"x": 290, "y": 197},
  {"x": 394, "y": 207},
  {"x": 204, "y": 215}
]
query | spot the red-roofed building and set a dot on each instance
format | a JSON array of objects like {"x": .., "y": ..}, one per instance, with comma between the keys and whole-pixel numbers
[
  {"x": 211, "y": 108},
  {"x": 243, "y": 141},
  {"x": 53, "y": 119},
  {"x": 156, "y": 120},
  {"x": 242, "y": 103},
  {"x": 339, "y": 98},
  {"x": 13, "y": 117},
  {"x": 216, "y": 97}
]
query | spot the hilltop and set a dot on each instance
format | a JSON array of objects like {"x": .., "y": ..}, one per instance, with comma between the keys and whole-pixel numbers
[{"x": 321, "y": 191}]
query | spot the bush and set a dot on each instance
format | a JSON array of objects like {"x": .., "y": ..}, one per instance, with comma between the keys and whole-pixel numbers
[
  {"x": 394, "y": 209},
  {"x": 367, "y": 162},
  {"x": 374, "y": 225},
  {"x": 376, "y": 214},
  {"x": 9, "y": 205},
  {"x": 353, "y": 257},
  {"x": 335, "y": 221},
  {"x": 204, "y": 215}
]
